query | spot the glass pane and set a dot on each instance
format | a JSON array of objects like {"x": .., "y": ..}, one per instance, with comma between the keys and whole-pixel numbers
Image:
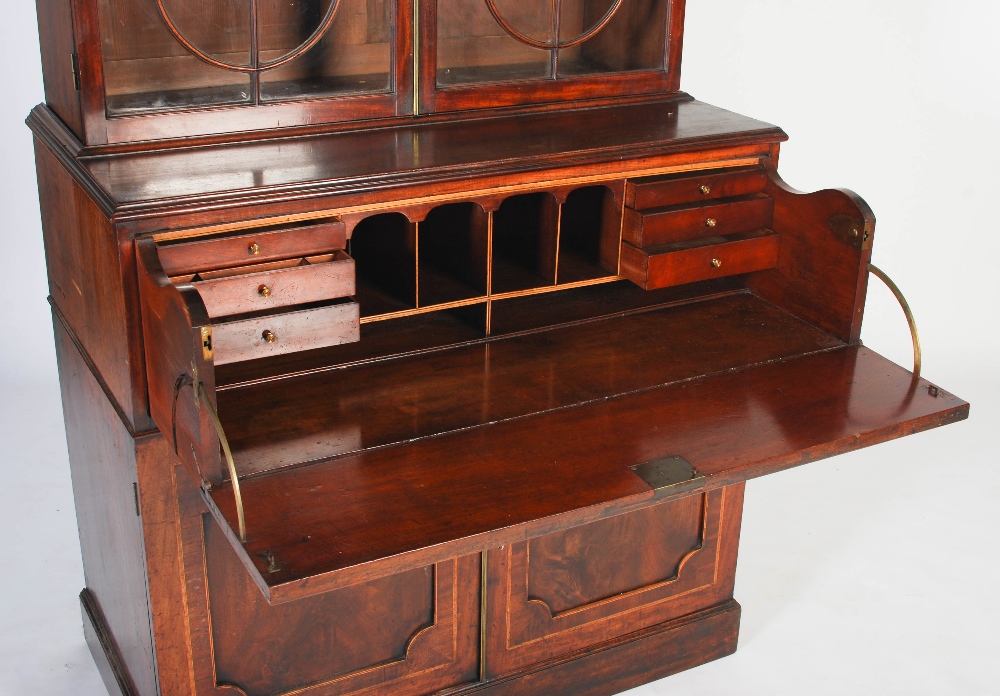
[
  {"x": 634, "y": 39},
  {"x": 146, "y": 68},
  {"x": 474, "y": 48},
  {"x": 355, "y": 54}
]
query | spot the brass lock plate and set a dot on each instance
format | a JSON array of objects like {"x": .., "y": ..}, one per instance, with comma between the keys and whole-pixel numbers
[{"x": 672, "y": 474}]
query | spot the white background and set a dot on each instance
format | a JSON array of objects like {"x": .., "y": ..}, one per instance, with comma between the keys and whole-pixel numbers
[{"x": 872, "y": 573}]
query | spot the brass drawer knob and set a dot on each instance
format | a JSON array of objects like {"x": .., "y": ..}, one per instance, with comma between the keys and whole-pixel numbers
[
  {"x": 705, "y": 189},
  {"x": 711, "y": 222},
  {"x": 264, "y": 291},
  {"x": 253, "y": 249},
  {"x": 716, "y": 263},
  {"x": 268, "y": 336}
]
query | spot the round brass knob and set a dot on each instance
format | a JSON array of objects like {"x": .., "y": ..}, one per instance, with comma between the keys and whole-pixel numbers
[
  {"x": 268, "y": 336},
  {"x": 711, "y": 222},
  {"x": 264, "y": 291},
  {"x": 253, "y": 249},
  {"x": 716, "y": 263},
  {"x": 705, "y": 189}
]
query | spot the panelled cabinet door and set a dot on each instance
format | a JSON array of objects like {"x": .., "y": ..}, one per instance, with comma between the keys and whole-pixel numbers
[
  {"x": 408, "y": 634},
  {"x": 579, "y": 588},
  {"x": 488, "y": 53}
]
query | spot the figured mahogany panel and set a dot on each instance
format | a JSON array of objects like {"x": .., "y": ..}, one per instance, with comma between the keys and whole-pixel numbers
[
  {"x": 570, "y": 590},
  {"x": 409, "y": 506},
  {"x": 407, "y": 619},
  {"x": 586, "y": 564}
]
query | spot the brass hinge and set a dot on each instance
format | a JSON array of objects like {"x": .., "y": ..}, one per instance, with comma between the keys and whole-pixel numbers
[{"x": 75, "y": 61}]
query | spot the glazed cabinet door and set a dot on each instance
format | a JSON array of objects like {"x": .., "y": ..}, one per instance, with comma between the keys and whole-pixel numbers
[
  {"x": 489, "y": 53},
  {"x": 576, "y": 589},
  {"x": 165, "y": 67}
]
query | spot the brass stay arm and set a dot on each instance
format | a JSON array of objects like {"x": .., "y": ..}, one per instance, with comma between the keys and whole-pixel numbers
[{"x": 917, "y": 359}]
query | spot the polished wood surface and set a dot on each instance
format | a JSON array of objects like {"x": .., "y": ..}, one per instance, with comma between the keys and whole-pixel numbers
[
  {"x": 456, "y": 277},
  {"x": 333, "y": 412},
  {"x": 406, "y": 506},
  {"x": 565, "y": 591},
  {"x": 340, "y": 162}
]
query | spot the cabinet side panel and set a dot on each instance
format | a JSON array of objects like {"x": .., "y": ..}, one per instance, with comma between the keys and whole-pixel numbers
[
  {"x": 87, "y": 281},
  {"x": 55, "y": 34},
  {"x": 102, "y": 457}
]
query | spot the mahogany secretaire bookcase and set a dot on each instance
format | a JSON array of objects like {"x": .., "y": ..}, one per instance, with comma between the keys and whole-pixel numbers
[{"x": 424, "y": 346}]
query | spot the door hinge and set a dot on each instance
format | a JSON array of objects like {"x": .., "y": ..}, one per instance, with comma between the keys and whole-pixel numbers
[
  {"x": 135, "y": 495},
  {"x": 75, "y": 61}
]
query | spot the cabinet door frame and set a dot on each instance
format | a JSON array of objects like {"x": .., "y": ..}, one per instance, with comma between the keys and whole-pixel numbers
[
  {"x": 102, "y": 129},
  {"x": 637, "y": 83},
  {"x": 522, "y": 631}
]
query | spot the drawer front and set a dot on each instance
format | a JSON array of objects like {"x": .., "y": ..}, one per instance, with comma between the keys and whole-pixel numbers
[
  {"x": 678, "y": 264},
  {"x": 186, "y": 258},
  {"x": 279, "y": 334},
  {"x": 319, "y": 279},
  {"x": 676, "y": 189},
  {"x": 647, "y": 228}
]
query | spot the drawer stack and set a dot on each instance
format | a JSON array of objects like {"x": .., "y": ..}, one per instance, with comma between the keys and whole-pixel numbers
[
  {"x": 683, "y": 228},
  {"x": 270, "y": 292}
]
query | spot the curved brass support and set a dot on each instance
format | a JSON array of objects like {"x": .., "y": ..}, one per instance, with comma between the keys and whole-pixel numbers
[
  {"x": 906, "y": 310},
  {"x": 555, "y": 44},
  {"x": 256, "y": 66},
  {"x": 229, "y": 461}
]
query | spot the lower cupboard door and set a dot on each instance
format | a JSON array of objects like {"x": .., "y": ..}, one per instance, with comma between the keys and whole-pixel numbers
[
  {"x": 573, "y": 590},
  {"x": 412, "y": 633}
]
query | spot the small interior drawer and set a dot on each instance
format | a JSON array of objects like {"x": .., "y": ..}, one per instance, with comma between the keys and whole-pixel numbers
[
  {"x": 190, "y": 257},
  {"x": 286, "y": 332},
  {"x": 647, "y": 228},
  {"x": 276, "y": 284},
  {"x": 675, "y": 189},
  {"x": 703, "y": 259}
]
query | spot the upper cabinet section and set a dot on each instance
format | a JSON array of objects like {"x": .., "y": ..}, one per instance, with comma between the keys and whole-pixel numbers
[
  {"x": 182, "y": 54},
  {"x": 492, "y": 53},
  {"x": 127, "y": 71}
]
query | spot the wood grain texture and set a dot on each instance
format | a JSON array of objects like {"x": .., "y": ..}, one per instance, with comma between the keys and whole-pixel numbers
[
  {"x": 55, "y": 34},
  {"x": 190, "y": 257},
  {"x": 674, "y": 559},
  {"x": 657, "y": 226},
  {"x": 408, "y": 506},
  {"x": 103, "y": 466},
  {"x": 286, "y": 332},
  {"x": 90, "y": 282},
  {"x": 705, "y": 259},
  {"x": 279, "y": 423},
  {"x": 818, "y": 277},
  {"x": 372, "y": 160},
  {"x": 271, "y": 286},
  {"x": 690, "y": 187},
  {"x": 177, "y": 366},
  {"x": 413, "y": 633},
  {"x": 624, "y": 663}
]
